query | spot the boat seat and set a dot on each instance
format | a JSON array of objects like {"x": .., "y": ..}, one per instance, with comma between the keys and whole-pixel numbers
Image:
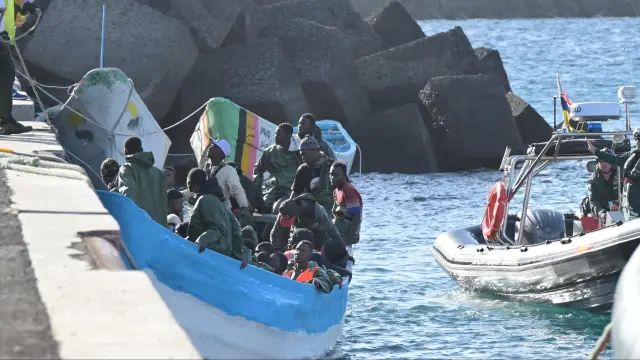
[{"x": 542, "y": 225}]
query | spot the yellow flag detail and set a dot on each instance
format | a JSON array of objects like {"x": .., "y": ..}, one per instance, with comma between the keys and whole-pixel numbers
[{"x": 9, "y": 20}]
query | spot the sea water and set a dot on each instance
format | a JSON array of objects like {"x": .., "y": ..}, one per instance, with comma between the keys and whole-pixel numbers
[{"x": 402, "y": 305}]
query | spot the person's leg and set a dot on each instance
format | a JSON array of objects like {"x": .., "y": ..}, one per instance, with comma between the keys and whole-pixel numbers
[{"x": 8, "y": 125}]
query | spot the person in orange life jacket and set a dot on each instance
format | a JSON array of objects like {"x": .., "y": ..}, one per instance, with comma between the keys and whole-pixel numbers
[
  {"x": 302, "y": 269},
  {"x": 9, "y": 125},
  {"x": 347, "y": 207},
  {"x": 228, "y": 179},
  {"x": 302, "y": 212},
  {"x": 299, "y": 235}
]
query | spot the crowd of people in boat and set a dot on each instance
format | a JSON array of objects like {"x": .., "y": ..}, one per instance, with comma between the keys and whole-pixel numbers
[
  {"x": 604, "y": 184},
  {"x": 318, "y": 210}
]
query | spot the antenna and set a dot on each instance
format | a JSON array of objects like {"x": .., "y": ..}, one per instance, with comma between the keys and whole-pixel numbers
[{"x": 102, "y": 35}]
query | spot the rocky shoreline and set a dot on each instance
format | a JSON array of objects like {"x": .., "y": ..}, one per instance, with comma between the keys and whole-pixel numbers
[
  {"x": 505, "y": 9},
  {"x": 415, "y": 103}
]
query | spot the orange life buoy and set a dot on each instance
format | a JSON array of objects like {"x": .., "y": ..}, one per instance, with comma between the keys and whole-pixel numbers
[{"x": 495, "y": 212}]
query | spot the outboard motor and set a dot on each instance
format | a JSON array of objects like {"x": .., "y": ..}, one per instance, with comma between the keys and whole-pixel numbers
[{"x": 541, "y": 225}]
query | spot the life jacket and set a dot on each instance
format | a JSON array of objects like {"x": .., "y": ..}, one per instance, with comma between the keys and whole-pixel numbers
[{"x": 305, "y": 277}]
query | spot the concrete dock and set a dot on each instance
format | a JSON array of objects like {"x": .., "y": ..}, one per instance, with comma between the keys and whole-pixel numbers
[{"x": 57, "y": 299}]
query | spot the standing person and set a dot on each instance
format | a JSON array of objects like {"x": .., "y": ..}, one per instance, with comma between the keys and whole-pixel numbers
[
  {"x": 175, "y": 203},
  {"x": 8, "y": 125},
  {"x": 281, "y": 163},
  {"x": 227, "y": 178},
  {"x": 212, "y": 225},
  {"x": 307, "y": 126},
  {"x": 139, "y": 180},
  {"x": 170, "y": 176},
  {"x": 347, "y": 207},
  {"x": 630, "y": 172},
  {"x": 313, "y": 175}
]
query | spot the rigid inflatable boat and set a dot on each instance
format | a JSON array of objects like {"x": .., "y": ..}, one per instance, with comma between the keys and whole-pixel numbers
[
  {"x": 228, "y": 312},
  {"x": 542, "y": 255}
]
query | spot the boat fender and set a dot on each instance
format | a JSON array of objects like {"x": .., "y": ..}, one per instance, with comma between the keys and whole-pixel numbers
[{"x": 495, "y": 211}]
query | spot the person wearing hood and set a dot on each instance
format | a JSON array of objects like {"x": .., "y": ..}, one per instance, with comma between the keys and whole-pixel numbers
[
  {"x": 303, "y": 212},
  {"x": 227, "y": 178},
  {"x": 281, "y": 163},
  {"x": 313, "y": 175},
  {"x": 307, "y": 126},
  {"x": 143, "y": 183},
  {"x": 212, "y": 225}
]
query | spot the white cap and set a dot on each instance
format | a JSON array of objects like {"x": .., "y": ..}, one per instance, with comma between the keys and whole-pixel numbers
[
  {"x": 173, "y": 220},
  {"x": 223, "y": 145}
]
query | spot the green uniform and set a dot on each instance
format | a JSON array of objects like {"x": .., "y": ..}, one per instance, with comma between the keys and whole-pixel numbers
[
  {"x": 321, "y": 276},
  {"x": 282, "y": 165},
  {"x": 319, "y": 224},
  {"x": 315, "y": 180},
  {"x": 631, "y": 172},
  {"x": 146, "y": 185},
  {"x": 602, "y": 191},
  {"x": 214, "y": 227}
]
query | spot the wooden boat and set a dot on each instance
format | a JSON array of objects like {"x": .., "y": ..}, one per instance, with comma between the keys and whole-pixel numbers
[{"x": 228, "y": 312}]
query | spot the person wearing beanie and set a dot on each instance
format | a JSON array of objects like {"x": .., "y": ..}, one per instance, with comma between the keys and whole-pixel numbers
[
  {"x": 143, "y": 183},
  {"x": 109, "y": 173},
  {"x": 313, "y": 175},
  {"x": 227, "y": 178}
]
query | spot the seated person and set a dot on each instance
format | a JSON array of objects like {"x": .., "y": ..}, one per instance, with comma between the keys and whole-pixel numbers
[
  {"x": 603, "y": 189},
  {"x": 302, "y": 212},
  {"x": 304, "y": 270},
  {"x": 109, "y": 173},
  {"x": 172, "y": 222},
  {"x": 175, "y": 203},
  {"x": 170, "y": 176},
  {"x": 263, "y": 261},
  {"x": 313, "y": 175},
  {"x": 278, "y": 262},
  {"x": 347, "y": 207},
  {"x": 250, "y": 238},
  {"x": 281, "y": 162},
  {"x": 266, "y": 247},
  {"x": 254, "y": 197},
  {"x": 212, "y": 225},
  {"x": 301, "y": 234}
]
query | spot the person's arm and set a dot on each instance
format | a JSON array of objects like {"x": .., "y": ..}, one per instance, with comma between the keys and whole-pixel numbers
[
  {"x": 326, "y": 224},
  {"x": 322, "y": 281},
  {"x": 595, "y": 199},
  {"x": 235, "y": 187},
  {"x": 354, "y": 208},
  {"x": 264, "y": 164},
  {"x": 126, "y": 182},
  {"x": 302, "y": 180},
  {"x": 613, "y": 159},
  {"x": 279, "y": 235},
  {"x": 238, "y": 250}
]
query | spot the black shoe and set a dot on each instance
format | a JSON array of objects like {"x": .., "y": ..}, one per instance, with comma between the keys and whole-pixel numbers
[{"x": 12, "y": 128}]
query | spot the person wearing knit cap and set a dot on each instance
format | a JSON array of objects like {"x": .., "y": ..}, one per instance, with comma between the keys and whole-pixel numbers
[
  {"x": 227, "y": 178},
  {"x": 313, "y": 175}
]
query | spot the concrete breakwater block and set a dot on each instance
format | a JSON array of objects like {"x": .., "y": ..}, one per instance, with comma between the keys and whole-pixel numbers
[
  {"x": 395, "y": 76},
  {"x": 491, "y": 64},
  {"x": 397, "y": 140},
  {"x": 155, "y": 50},
  {"x": 470, "y": 121},
  {"x": 320, "y": 59},
  {"x": 395, "y": 26},
  {"x": 256, "y": 76},
  {"x": 359, "y": 36},
  {"x": 532, "y": 127}
]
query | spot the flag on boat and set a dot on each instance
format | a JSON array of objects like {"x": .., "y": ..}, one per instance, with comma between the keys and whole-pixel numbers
[{"x": 565, "y": 103}]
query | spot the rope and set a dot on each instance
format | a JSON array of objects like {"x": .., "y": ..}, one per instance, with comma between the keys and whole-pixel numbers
[
  {"x": 187, "y": 117},
  {"x": 35, "y": 165},
  {"x": 98, "y": 176},
  {"x": 602, "y": 343}
]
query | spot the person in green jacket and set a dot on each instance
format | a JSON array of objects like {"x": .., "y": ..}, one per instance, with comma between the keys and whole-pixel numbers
[
  {"x": 212, "y": 225},
  {"x": 603, "y": 189},
  {"x": 630, "y": 172},
  {"x": 313, "y": 176},
  {"x": 281, "y": 163},
  {"x": 140, "y": 181}
]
